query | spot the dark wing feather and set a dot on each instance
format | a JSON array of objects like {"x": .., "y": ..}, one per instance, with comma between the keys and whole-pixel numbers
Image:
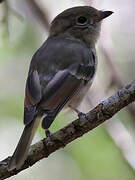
[
  {"x": 32, "y": 96},
  {"x": 58, "y": 89}
]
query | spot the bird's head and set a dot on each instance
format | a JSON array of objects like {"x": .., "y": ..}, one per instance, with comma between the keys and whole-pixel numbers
[{"x": 82, "y": 22}]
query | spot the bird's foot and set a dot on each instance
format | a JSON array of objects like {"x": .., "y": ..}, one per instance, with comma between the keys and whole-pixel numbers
[
  {"x": 79, "y": 113},
  {"x": 48, "y": 133}
]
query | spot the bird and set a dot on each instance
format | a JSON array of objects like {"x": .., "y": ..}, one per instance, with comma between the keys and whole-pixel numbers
[{"x": 60, "y": 73}]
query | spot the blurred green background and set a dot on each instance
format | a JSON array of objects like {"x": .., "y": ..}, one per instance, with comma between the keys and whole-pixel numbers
[{"x": 106, "y": 152}]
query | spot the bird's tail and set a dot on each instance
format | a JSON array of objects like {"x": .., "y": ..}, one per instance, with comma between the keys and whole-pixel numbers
[{"x": 21, "y": 151}]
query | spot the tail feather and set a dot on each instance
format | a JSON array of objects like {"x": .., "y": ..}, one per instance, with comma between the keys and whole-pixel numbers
[{"x": 22, "y": 148}]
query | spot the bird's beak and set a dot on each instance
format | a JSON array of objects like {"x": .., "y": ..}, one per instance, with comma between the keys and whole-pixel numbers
[{"x": 105, "y": 14}]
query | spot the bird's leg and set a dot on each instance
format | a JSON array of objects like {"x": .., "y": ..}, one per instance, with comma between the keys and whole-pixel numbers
[
  {"x": 48, "y": 133},
  {"x": 79, "y": 113},
  {"x": 45, "y": 126}
]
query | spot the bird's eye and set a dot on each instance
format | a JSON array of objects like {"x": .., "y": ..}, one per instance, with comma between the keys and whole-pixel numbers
[{"x": 81, "y": 20}]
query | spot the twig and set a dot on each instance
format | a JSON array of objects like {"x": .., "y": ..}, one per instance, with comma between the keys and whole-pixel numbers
[
  {"x": 1, "y": 1},
  {"x": 4, "y": 22},
  {"x": 15, "y": 13},
  {"x": 38, "y": 13},
  {"x": 116, "y": 129},
  {"x": 74, "y": 130},
  {"x": 123, "y": 140},
  {"x": 109, "y": 56},
  {"x": 115, "y": 75}
]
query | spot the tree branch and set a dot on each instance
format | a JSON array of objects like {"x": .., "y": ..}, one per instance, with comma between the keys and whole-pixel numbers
[
  {"x": 38, "y": 13},
  {"x": 116, "y": 77},
  {"x": 74, "y": 130}
]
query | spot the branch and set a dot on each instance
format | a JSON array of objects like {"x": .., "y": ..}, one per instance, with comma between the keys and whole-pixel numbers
[
  {"x": 120, "y": 134},
  {"x": 1, "y": 1},
  {"x": 39, "y": 13},
  {"x": 74, "y": 130},
  {"x": 124, "y": 141},
  {"x": 116, "y": 77}
]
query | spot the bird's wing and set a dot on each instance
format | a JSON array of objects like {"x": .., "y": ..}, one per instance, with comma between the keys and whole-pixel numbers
[
  {"x": 62, "y": 86},
  {"x": 57, "y": 93},
  {"x": 32, "y": 96}
]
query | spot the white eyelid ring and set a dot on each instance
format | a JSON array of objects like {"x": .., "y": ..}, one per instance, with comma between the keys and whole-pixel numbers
[{"x": 81, "y": 20}]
